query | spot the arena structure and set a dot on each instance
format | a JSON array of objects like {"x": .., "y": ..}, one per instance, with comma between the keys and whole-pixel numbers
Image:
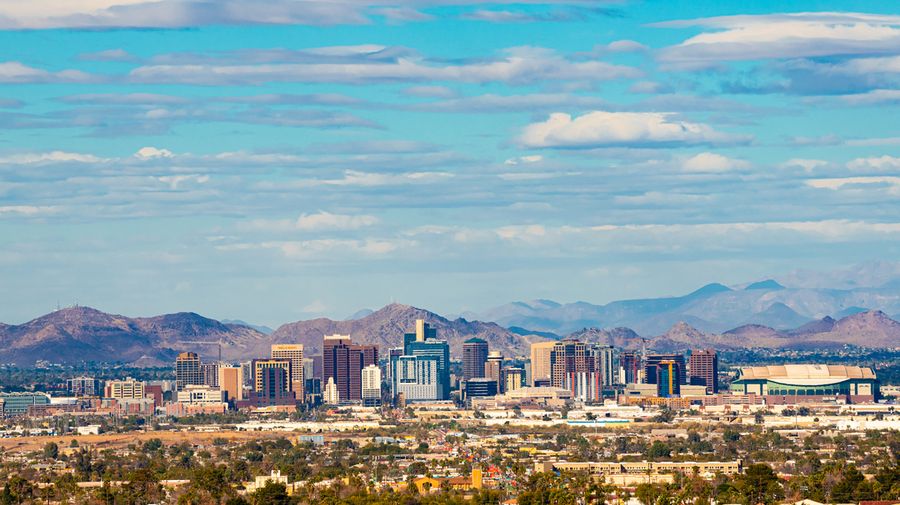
[{"x": 789, "y": 384}]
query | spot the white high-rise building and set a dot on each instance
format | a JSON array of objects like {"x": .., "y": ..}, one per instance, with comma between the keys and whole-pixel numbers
[
  {"x": 415, "y": 377},
  {"x": 330, "y": 394},
  {"x": 371, "y": 382}
]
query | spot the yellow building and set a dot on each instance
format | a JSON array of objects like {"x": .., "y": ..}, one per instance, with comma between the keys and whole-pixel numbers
[{"x": 425, "y": 485}]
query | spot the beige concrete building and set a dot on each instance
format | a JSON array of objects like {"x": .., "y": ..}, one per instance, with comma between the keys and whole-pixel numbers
[
  {"x": 128, "y": 389},
  {"x": 231, "y": 381},
  {"x": 203, "y": 395},
  {"x": 293, "y": 353},
  {"x": 540, "y": 361},
  {"x": 642, "y": 467}
]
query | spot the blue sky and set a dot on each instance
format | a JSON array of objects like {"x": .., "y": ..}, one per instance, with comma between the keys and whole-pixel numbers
[{"x": 293, "y": 159}]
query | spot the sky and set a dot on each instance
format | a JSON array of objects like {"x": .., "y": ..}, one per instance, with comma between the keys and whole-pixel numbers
[{"x": 290, "y": 159}]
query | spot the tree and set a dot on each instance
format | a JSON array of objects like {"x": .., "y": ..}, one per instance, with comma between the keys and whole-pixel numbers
[
  {"x": 272, "y": 494},
  {"x": 758, "y": 484},
  {"x": 51, "y": 450},
  {"x": 211, "y": 479},
  {"x": 659, "y": 450}
]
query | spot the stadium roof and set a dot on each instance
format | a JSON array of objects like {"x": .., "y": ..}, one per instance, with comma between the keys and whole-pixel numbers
[{"x": 806, "y": 373}]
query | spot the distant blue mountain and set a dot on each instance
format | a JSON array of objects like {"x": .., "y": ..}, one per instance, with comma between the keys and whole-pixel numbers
[
  {"x": 849, "y": 311},
  {"x": 768, "y": 284},
  {"x": 265, "y": 330},
  {"x": 359, "y": 314},
  {"x": 778, "y": 316},
  {"x": 714, "y": 308}
]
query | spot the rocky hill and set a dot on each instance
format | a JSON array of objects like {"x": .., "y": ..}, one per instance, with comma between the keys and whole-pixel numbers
[
  {"x": 624, "y": 338},
  {"x": 865, "y": 329},
  {"x": 78, "y": 334},
  {"x": 81, "y": 334},
  {"x": 385, "y": 328}
]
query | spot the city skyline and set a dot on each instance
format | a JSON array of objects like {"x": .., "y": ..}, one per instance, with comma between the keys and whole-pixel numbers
[{"x": 439, "y": 153}]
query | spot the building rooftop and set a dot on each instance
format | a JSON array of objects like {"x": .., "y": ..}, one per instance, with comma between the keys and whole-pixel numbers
[{"x": 802, "y": 372}]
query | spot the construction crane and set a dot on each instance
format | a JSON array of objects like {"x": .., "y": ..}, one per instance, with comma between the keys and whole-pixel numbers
[{"x": 218, "y": 343}]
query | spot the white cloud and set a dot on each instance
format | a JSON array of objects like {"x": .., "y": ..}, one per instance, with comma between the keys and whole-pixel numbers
[
  {"x": 522, "y": 160},
  {"x": 655, "y": 198},
  {"x": 518, "y": 66},
  {"x": 529, "y": 176},
  {"x": 328, "y": 221},
  {"x": 148, "y": 153},
  {"x": 320, "y": 221},
  {"x": 880, "y": 164},
  {"x": 876, "y": 96},
  {"x": 882, "y": 141},
  {"x": 836, "y": 183},
  {"x": 626, "y": 46},
  {"x": 323, "y": 249},
  {"x": 27, "y": 210},
  {"x": 610, "y": 129},
  {"x": 175, "y": 180},
  {"x": 314, "y": 307},
  {"x": 42, "y": 14},
  {"x": 430, "y": 91},
  {"x": 712, "y": 162},
  {"x": 13, "y": 72},
  {"x": 357, "y": 178},
  {"x": 808, "y": 165},
  {"x": 49, "y": 157},
  {"x": 780, "y": 36}
]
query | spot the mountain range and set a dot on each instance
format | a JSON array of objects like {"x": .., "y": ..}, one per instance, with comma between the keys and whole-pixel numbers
[
  {"x": 766, "y": 313},
  {"x": 714, "y": 308},
  {"x": 80, "y": 334}
]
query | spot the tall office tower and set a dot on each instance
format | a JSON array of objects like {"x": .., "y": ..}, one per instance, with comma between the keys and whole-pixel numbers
[
  {"x": 231, "y": 380},
  {"x": 605, "y": 365},
  {"x": 650, "y": 368},
  {"x": 247, "y": 374},
  {"x": 493, "y": 369},
  {"x": 343, "y": 361},
  {"x": 309, "y": 368},
  {"x": 569, "y": 357},
  {"x": 395, "y": 352},
  {"x": 513, "y": 379},
  {"x": 371, "y": 385},
  {"x": 703, "y": 369},
  {"x": 187, "y": 370},
  {"x": 294, "y": 354},
  {"x": 369, "y": 354},
  {"x": 416, "y": 378},
  {"x": 84, "y": 386},
  {"x": 273, "y": 382},
  {"x": 475, "y": 353},
  {"x": 210, "y": 372},
  {"x": 667, "y": 377},
  {"x": 423, "y": 342},
  {"x": 631, "y": 366},
  {"x": 573, "y": 367},
  {"x": 338, "y": 364},
  {"x": 260, "y": 374},
  {"x": 540, "y": 361}
]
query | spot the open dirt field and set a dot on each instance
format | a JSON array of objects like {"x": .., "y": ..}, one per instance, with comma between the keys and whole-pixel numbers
[{"x": 120, "y": 440}]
